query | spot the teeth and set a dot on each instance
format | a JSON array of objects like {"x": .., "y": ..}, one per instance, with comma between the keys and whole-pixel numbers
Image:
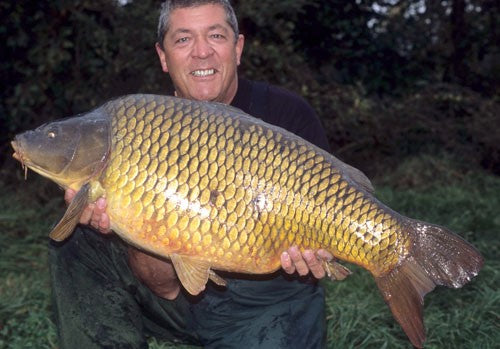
[{"x": 203, "y": 72}]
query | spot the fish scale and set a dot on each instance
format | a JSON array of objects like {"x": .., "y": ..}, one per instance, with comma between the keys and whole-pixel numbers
[
  {"x": 212, "y": 188},
  {"x": 200, "y": 178}
]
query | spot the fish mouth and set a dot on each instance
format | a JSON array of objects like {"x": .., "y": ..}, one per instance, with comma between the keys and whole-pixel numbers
[
  {"x": 201, "y": 73},
  {"x": 19, "y": 157},
  {"x": 17, "y": 153}
]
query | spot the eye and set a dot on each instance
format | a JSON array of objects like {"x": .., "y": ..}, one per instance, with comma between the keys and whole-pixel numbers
[
  {"x": 181, "y": 40},
  {"x": 51, "y": 134},
  {"x": 218, "y": 36}
]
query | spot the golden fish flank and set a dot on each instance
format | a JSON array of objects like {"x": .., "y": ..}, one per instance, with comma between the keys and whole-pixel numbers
[
  {"x": 262, "y": 183},
  {"x": 213, "y": 188}
]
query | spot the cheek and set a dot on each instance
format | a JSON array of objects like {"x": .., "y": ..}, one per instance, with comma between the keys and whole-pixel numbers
[
  {"x": 230, "y": 60},
  {"x": 177, "y": 60}
]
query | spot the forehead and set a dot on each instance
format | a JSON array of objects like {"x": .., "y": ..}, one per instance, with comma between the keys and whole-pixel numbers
[{"x": 197, "y": 18}]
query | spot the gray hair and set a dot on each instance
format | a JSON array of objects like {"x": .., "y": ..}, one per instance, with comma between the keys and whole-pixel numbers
[{"x": 168, "y": 6}]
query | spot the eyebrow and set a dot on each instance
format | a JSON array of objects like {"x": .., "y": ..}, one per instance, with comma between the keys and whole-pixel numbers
[
  {"x": 212, "y": 27},
  {"x": 180, "y": 31},
  {"x": 218, "y": 26}
]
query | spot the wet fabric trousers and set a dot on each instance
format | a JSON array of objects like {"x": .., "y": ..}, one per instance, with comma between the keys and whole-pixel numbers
[{"x": 98, "y": 303}]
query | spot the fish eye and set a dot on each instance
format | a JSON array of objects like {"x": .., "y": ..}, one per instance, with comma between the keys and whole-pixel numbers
[{"x": 51, "y": 134}]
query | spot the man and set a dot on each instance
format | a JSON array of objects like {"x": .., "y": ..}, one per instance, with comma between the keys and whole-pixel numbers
[{"x": 108, "y": 294}]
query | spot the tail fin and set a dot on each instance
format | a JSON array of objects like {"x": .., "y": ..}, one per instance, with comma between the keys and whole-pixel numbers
[{"x": 438, "y": 257}]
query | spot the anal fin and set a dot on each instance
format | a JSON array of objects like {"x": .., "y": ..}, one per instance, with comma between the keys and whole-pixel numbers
[
  {"x": 71, "y": 217},
  {"x": 335, "y": 270}
]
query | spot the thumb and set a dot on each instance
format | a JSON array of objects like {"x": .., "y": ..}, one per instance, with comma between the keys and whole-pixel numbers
[{"x": 69, "y": 194}]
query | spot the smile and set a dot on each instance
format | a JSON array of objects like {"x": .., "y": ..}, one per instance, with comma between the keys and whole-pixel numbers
[{"x": 204, "y": 72}]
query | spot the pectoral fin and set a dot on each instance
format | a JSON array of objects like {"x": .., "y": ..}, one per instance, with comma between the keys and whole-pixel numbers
[
  {"x": 193, "y": 273},
  {"x": 71, "y": 217}
]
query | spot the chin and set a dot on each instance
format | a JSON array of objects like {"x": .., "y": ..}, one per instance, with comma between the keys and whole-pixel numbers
[{"x": 206, "y": 97}]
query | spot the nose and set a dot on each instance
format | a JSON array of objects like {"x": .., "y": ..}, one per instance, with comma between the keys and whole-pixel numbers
[{"x": 202, "y": 48}]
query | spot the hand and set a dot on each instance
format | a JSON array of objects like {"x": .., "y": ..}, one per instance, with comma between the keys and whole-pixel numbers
[
  {"x": 94, "y": 214},
  {"x": 157, "y": 274},
  {"x": 292, "y": 260}
]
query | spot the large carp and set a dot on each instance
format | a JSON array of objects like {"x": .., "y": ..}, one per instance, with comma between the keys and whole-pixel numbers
[{"x": 213, "y": 188}]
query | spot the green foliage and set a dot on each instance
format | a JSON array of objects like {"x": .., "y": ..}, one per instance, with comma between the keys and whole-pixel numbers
[
  {"x": 393, "y": 46},
  {"x": 375, "y": 134},
  {"x": 24, "y": 286},
  {"x": 65, "y": 57}
]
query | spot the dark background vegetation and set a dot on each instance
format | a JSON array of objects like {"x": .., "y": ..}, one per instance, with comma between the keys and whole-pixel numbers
[
  {"x": 408, "y": 91},
  {"x": 389, "y": 79}
]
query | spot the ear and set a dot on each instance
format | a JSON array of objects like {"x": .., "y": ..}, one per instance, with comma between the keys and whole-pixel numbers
[
  {"x": 162, "y": 56},
  {"x": 240, "y": 42}
]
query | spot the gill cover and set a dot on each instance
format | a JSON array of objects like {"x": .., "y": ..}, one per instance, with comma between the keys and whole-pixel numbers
[{"x": 68, "y": 151}]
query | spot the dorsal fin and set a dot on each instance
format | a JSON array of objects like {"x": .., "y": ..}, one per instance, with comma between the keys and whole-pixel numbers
[
  {"x": 359, "y": 177},
  {"x": 71, "y": 217}
]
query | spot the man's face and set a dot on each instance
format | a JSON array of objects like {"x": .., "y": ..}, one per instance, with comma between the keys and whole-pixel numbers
[{"x": 200, "y": 54}]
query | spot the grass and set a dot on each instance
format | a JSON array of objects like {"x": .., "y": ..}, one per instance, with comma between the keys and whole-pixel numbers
[
  {"x": 356, "y": 314},
  {"x": 25, "y": 320}
]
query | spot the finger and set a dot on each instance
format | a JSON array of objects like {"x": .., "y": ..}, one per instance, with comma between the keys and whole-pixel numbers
[
  {"x": 100, "y": 218},
  {"x": 69, "y": 194},
  {"x": 286, "y": 263},
  {"x": 87, "y": 214},
  {"x": 100, "y": 206},
  {"x": 298, "y": 261},
  {"x": 104, "y": 226},
  {"x": 314, "y": 264},
  {"x": 94, "y": 220},
  {"x": 324, "y": 255}
]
